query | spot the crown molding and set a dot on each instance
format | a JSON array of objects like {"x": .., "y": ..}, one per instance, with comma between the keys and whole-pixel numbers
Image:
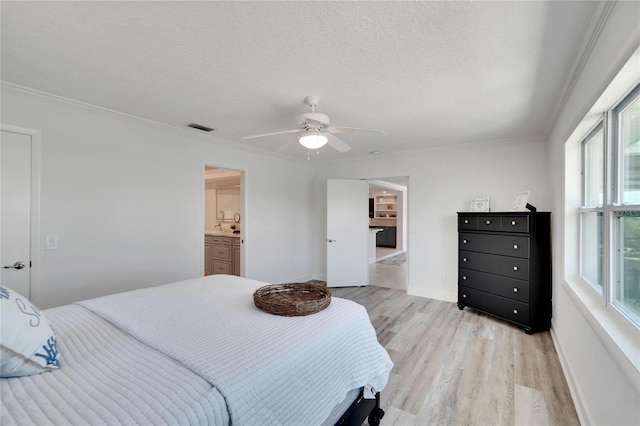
[
  {"x": 445, "y": 148},
  {"x": 600, "y": 12},
  {"x": 84, "y": 106}
]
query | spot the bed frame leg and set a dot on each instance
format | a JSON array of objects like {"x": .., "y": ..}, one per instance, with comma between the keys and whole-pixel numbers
[
  {"x": 362, "y": 409},
  {"x": 377, "y": 413}
]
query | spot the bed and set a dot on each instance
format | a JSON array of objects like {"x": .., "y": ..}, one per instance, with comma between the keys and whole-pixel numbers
[{"x": 200, "y": 352}]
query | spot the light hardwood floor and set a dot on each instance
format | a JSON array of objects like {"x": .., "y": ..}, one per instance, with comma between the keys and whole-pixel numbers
[
  {"x": 455, "y": 367},
  {"x": 390, "y": 276}
]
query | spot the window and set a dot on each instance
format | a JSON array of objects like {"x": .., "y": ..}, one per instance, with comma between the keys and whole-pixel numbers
[
  {"x": 591, "y": 235},
  {"x": 610, "y": 207}
]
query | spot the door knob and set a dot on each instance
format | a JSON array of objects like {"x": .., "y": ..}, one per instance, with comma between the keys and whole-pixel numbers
[
  {"x": 17, "y": 265},
  {"x": 332, "y": 241}
]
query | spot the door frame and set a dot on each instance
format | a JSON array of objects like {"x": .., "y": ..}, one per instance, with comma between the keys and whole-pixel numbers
[
  {"x": 404, "y": 191},
  {"x": 35, "y": 239},
  {"x": 243, "y": 210}
]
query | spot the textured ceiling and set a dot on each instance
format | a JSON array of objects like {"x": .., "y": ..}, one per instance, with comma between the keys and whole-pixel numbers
[{"x": 426, "y": 73}]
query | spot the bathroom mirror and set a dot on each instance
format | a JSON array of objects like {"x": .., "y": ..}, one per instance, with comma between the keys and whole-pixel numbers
[{"x": 227, "y": 203}]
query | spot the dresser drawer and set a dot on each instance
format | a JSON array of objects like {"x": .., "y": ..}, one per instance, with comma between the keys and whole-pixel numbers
[
  {"x": 508, "y": 309},
  {"x": 208, "y": 239},
  {"x": 467, "y": 222},
  {"x": 494, "y": 284},
  {"x": 489, "y": 223},
  {"x": 515, "y": 223},
  {"x": 222, "y": 267},
  {"x": 513, "y": 267},
  {"x": 494, "y": 222},
  {"x": 222, "y": 253},
  {"x": 507, "y": 245}
]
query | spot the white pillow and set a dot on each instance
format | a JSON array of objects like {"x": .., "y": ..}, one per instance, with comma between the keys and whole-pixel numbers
[{"x": 27, "y": 341}]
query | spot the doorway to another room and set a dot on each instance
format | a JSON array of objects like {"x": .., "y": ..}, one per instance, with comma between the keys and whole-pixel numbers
[
  {"x": 388, "y": 218},
  {"x": 223, "y": 214}
]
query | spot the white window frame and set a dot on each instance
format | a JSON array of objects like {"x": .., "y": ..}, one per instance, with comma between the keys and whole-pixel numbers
[
  {"x": 600, "y": 125},
  {"x": 611, "y": 205},
  {"x": 616, "y": 193}
]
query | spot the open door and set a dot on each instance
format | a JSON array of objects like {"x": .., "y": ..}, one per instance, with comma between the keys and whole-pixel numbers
[{"x": 347, "y": 233}]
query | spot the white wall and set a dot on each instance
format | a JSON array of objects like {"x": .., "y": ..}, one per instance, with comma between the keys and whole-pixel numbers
[
  {"x": 441, "y": 183},
  {"x": 126, "y": 199},
  {"x": 604, "y": 385}
]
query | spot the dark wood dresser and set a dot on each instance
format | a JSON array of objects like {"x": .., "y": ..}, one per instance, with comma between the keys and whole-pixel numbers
[{"x": 504, "y": 266}]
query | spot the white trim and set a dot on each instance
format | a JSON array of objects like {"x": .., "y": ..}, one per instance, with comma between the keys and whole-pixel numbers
[
  {"x": 454, "y": 146},
  {"x": 34, "y": 243},
  {"x": 598, "y": 17},
  {"x": 447, "y": 296},
  {"x": 27, "y": 91},
  {"x": 617, "y": 337},
  {"x": 584, "y": 415}
]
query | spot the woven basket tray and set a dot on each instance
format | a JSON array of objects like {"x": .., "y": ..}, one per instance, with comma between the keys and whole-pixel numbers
[{"x": 292, "y": 299}]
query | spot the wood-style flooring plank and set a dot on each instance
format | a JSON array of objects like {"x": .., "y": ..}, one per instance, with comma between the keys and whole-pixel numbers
[{"x": 455, "y": 367}]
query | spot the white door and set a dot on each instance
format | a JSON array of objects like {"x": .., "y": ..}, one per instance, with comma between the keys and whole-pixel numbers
[
  {"x": 347, "y": 232},
  {"x": 15, "y": 211}
]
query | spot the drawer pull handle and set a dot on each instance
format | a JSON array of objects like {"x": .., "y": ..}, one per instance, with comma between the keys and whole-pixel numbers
[
  {"x": 515, "y": 311},
  {"x": 488, "y": 222},
  {"x": 464, "y": 241},
  {"x": 515, "y": 289},
  {"x": 515, "y": 247},
  {"x": 466, "y": 221},
  {"x": 464, "y": 296},
  {"x": 515, "y": 268},
  {"x": 464, "y": 259},
  {"x": 464, "y": 277},
  {"x": 514, "y": 223}
]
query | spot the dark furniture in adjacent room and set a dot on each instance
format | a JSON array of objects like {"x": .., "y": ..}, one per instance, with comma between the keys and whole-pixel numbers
[{"x": 386, "y": 237}]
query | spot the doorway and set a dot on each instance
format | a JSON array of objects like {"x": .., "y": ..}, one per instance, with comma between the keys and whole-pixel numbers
[
  {"x": 223, "y": 221},
  {"x": 388, "y": 216},
  {"x": 20, "y": 201}
]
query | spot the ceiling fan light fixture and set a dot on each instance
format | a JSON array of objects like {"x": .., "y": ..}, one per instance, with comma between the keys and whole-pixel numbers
[{"x": 312, "y": 140}]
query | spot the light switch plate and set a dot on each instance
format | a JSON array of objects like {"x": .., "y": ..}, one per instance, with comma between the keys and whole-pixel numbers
[{"x": 51, "y": 241}]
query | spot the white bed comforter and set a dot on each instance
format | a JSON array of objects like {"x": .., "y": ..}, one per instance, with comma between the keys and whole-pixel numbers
[
  {"x": 269, "y": 369},
  {"x": 108, "y": 378}
]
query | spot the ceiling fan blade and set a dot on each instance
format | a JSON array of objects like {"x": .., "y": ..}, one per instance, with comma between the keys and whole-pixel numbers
[
  {"x": 336, "y": 143},
  {"x": 333, "y": 129},
  {"x": 287, "y": 144},
  {"x": 261, "y": 135}
]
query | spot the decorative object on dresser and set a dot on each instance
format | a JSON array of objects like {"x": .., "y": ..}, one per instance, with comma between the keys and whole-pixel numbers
[
  {"x": 504, "y": 266},
  {"x": 521, "y": 202},
  {"x": 480, "y": 205}
]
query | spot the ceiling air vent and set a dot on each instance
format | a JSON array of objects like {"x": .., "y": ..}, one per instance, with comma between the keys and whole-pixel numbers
[{"x": 200, "y": 127}]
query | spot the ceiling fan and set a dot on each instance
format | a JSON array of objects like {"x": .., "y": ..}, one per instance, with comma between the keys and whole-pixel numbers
[{"x": 315, "y": 130}]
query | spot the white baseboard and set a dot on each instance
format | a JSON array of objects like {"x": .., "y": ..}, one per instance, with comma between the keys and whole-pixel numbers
[
  {"x": 447, "y": 296},
  {"x": 583, "y": 413}
]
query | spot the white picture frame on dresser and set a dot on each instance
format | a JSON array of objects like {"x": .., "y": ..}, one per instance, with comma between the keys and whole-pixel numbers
[
  {"x": 480, "y": 205},
  {"x": 520, "y": 202}
]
